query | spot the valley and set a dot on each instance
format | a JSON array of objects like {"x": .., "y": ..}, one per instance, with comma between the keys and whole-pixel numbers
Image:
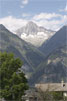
[{"x": 46, "y": 63}]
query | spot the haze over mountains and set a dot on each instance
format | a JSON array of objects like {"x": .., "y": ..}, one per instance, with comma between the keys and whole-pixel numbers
[
  {"x": 44, "y": 64},
  {"x": 34, "y": 34}
]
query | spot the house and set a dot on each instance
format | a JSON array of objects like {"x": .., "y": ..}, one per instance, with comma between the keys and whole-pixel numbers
[
  {"x": 33, "y": 93},
  {"x": 56, "y": 87}
]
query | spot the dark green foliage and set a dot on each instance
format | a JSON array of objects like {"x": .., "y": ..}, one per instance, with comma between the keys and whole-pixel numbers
[
  {"x": 57, "y": 95},
  {"x": 51, "y": 96},
  {"x": 13, "y": 82}
]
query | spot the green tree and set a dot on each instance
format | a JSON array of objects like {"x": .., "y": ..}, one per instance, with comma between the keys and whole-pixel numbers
[
  {"x": 58, "y": 95},
  {"x": 45, "y": 95},
  {"x": 12, "y": 81}
]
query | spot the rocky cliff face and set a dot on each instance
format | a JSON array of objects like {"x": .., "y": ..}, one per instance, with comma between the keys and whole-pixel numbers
[{"x": 53, "y": 69}]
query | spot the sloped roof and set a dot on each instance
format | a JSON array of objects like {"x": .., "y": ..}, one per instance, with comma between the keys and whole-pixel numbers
[{"x": 52, "y": 86}]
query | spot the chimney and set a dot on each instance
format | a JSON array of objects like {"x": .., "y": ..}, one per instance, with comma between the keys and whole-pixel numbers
[{"x": 62, "y": 83}]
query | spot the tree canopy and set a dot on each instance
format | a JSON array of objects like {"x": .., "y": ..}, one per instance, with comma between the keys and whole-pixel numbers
[{"x": 13, "y": 82}]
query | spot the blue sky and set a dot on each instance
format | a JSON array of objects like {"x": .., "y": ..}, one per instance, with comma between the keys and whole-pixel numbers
[
  {"x": 35, "y": 10},
  {"x": 15, "y": 7}
]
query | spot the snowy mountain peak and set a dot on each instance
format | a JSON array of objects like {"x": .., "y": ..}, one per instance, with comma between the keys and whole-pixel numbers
[
  {"x": 31, "y": 28},
  {"x": 34, "y": 34},
  {"x": 30, "y": 23}
]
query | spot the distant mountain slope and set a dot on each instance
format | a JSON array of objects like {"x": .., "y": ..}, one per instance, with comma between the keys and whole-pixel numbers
[
  {"x": 57, "y": 40},
  {"x": 34, "y": 34},
  {"x": 53, "y": 69},
  {"x": 29, "y": 54}
]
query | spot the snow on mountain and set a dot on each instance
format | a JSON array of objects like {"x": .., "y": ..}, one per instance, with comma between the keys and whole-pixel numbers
[{"x": 34, "y": 34}]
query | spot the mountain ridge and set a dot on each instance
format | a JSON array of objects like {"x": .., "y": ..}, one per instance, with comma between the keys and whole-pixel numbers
[
  {"x": 58, "y": 39},
  {"x": 54, "y": 67},
  {"x": 10, "y": 42}
]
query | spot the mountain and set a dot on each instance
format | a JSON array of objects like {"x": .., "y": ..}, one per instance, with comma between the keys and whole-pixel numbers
[
  {"x": 57, "y": 40},
  {"x": 2, "y": 28},
  {"x": 49, "y": 64},
  {"x": 54, "y": 67},
  {"x": 30, "y": 55},
  {"x": 34, "y": 34}
]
